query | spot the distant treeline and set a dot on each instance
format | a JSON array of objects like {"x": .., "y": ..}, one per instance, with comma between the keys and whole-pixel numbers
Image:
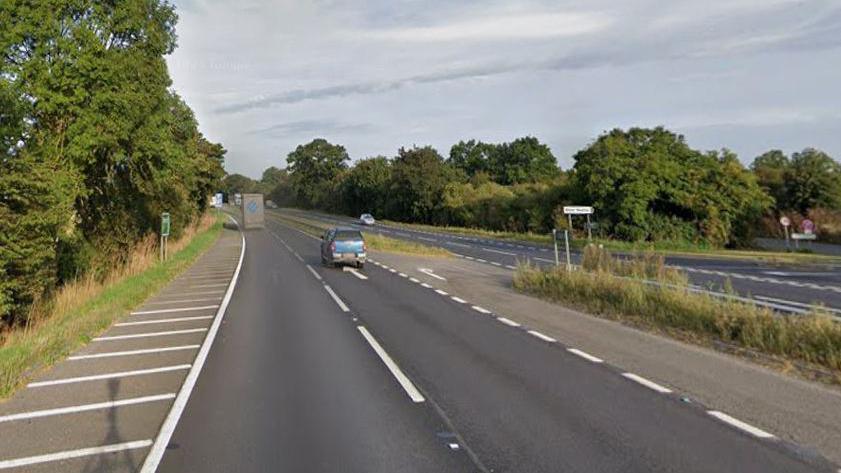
[
  {"x": 646, "y": 185},
  {"x": 93, "y": 143}
]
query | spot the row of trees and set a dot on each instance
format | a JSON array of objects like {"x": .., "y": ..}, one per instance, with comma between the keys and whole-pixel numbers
[
  {"x": 93, "y": 143},
  {"x": 646, "y": 185}
]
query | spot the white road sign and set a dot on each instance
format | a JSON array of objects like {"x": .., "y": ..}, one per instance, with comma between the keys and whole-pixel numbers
[
  {"x": 577, "y": 210},
  {"x": 785, "y": 221}
]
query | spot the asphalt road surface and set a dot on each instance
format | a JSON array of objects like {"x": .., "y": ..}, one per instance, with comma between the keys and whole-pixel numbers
[
  {"x": 793, "y": 288},
  {"x": 321, "y": 369}
]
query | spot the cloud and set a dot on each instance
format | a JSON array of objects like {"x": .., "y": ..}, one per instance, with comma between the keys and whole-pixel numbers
[
  {"x": 310, "y": 127},
  {"x": 263, "y": 77},
  {"x": 539, "y": 25},
  {"x": 300, "y": 95}
]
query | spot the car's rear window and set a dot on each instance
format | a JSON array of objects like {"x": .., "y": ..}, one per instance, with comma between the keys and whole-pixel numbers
[{"x": 345, "y": 235}]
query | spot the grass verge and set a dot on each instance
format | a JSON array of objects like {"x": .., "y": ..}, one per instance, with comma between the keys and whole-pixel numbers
[
  {"x": 666, "y": 248},
  {"x": 84, "y": 308},
  {"x": 375, "y": 241},
  {"x": 812, "y": 339}
]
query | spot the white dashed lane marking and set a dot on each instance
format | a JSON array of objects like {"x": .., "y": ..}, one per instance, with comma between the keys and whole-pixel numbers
[
  {"x": 508, "y": 322},
  {"x": 541, "y": 336},
  {"x": 647, "y": 383},
  {"x": 584, "y": 355},
  {"x": 755, "y": 431}
]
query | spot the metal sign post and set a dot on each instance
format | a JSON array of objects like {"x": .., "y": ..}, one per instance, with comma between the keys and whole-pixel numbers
[
  {"x": 571, "y": 210},
  {"x": 785, "y": 222},
  {"x": 555, "y": 242},
  {"x": 566, "y": 242},
  {"x": 165, "y": 224}
]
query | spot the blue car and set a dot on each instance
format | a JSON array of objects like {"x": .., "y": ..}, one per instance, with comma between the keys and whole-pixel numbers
[{"x": 343, "y": 246}]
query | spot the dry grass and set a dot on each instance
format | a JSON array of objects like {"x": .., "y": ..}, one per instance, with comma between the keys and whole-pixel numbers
[
  {"x": 393, "y": 245},
  {"x": 374, "y": 241},
  {"x": 813, "y": 338},
  {"x": 83, "y": 308}
]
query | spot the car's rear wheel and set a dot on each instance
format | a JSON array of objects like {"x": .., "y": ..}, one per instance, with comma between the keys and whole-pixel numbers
[{"x": 359, "y": 264}]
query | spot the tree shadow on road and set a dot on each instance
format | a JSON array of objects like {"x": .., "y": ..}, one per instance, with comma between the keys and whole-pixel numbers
[{"x": 108, "y": 462}]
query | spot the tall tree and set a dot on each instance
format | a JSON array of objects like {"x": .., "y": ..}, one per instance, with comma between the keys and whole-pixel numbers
[
  {"x": 770, "y": 169},
  {"x": 312, "y": 168},
  {"x": 471, "y": 156},
  {"x": 647, "y": 184},
  {"x": 813, "y": 179},
  {"x": 94, "y": 145},
  {"x": 419, "y": 176},
  {"x": 523, "y": 160},
  {"x": 365, "y": 188}
]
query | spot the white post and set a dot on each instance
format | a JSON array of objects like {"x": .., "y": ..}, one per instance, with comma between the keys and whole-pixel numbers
[
  {"x": 555, "y": 242},
  {"x": 566, "y": 241},
  {"x": 589, "y": 231}
]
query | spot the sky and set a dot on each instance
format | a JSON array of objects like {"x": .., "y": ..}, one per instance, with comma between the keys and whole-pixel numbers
[{"x": 377, "y": 75}]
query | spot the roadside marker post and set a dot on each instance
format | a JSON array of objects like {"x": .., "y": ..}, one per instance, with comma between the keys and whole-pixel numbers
[
  {"x": 165, "y": 224},
  {"x": 555, "y": 242},
  {"x": 566, "y": 242},
  {"x": 785, "y": 222}
]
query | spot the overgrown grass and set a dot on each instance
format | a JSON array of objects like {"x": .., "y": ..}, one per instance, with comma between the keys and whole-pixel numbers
[
  {"x": 813, "y": 338},
  {"x": 393, "y": 245},
  {"x": 82, "y": 309},
  {"x": 375, "y": 241}
]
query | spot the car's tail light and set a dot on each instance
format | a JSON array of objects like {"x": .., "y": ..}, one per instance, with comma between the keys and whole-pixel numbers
[
  {"x": 364, "y": 247},
  {"x": 333, "y": 247}
]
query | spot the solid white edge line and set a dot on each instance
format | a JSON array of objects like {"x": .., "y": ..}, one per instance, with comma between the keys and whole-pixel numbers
[
  {"x": 480, "y": 309},
  {"x": 314, "y": 273},
  {"x": 539, "y": 335},
  {"x": 85, "y": 407},
  {"x": 168, "y": 427},
  {"x": 508, "y": 322},
  {"x": 407, "y": 385},
  {"x": 163, "y": 321},
  {"x": 585, "y": 355},
  {"x": 647, "y": 383},
  {"x": 336, "y": 298},
  {"x": 180, "y": 309},
  {"x": 755, "y": 431},
  {"x": 148, "y": 334},
  {"x": 144, "y": 351},
  {"x": 97, "y": 377},
  {"x": 69, "y": 454}
]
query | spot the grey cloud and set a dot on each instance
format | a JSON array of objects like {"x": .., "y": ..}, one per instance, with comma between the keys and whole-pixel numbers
[
  {"x": 308, "y": 127},
  {"x": 363, "y": 88}
]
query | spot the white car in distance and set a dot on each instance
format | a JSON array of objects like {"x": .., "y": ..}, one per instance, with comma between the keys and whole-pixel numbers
[{"x": 366, "y": 219}]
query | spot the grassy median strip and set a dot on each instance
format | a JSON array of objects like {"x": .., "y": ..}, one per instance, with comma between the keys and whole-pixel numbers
[
  {"x": 375, "y": 241},
  {"x": 85, "y": 308},
  {"x": 814, "y": 338},
  {"x": 667, "y": 248}
]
